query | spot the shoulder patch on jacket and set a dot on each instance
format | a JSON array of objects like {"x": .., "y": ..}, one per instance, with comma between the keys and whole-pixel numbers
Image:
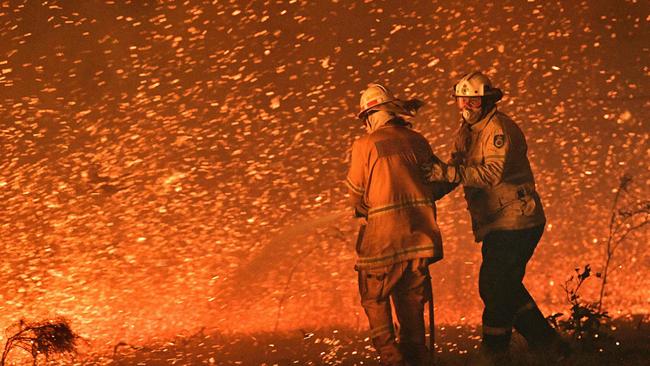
[
  {"x": 402, "y": 146},
  {"x": 389, "y": 147},
  {"x": 499, "y": 141}
]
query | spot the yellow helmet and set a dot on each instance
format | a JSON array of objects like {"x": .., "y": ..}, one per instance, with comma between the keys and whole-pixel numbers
[{"x": 475, "y": 84}]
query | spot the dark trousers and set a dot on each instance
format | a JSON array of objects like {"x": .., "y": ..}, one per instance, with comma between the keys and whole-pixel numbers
[{"x": 507, "y": 302}]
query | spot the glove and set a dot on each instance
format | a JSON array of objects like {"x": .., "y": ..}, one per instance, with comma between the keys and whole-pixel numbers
[
  {"x": 437, "y": 171},
  {"x": 457, "y": 158},
  {"x": 433, "y": 171}
]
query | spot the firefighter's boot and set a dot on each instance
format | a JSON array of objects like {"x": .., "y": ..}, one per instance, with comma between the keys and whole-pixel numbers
[
  {"x": 541, "y": 337},
  {"x": 532, "y": 325},
  {"x": 494, "y": 350},
  {"x": 391, "y": 356}
]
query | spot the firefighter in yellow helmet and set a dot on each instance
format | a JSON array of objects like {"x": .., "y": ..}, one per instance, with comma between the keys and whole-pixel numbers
[
  {"x": 401, "y": 237},
  {"x": 490, "y": 161}
]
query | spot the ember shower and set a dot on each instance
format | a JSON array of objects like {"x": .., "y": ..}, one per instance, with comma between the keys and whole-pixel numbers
[{"x": 178, "y": 164}]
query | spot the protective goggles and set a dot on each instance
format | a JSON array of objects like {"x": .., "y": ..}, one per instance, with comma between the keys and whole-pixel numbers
[{"x": 469, "y": 102}]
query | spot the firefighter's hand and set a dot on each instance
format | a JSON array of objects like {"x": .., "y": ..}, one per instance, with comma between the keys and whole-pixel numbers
[
  {"x": 457, "y": 158},
  {"x": 434, "y": 171}
]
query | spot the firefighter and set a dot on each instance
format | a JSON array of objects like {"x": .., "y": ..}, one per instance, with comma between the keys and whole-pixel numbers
[
  {"x": 401, "y": 236},
  {"x": 490, "y": 162}
]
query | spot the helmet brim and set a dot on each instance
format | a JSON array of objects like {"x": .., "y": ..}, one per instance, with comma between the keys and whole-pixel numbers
[{"x": 395, "y": 106}]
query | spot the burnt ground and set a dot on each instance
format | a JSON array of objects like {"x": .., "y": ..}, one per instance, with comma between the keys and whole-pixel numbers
[{"x": 629, "y": 344}]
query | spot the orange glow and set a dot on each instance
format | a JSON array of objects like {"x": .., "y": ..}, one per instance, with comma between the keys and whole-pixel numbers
[{"x": 168, "y": 167}]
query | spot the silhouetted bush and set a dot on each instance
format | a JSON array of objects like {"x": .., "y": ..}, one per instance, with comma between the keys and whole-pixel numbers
[{"x": 48, "y": 338}]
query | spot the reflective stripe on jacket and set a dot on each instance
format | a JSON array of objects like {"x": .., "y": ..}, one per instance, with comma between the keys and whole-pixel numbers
[
  {"x": 496, "y": 175},
  {"x": 386, "y": 185}
]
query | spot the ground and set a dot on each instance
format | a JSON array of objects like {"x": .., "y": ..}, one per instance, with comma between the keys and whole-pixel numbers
[{"x": 455, "y": 346}]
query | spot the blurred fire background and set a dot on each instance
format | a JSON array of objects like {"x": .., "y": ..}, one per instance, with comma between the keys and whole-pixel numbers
[{"x": 173, "y": 165}]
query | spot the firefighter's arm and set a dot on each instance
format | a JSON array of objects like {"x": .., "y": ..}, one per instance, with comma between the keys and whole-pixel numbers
[
  {"x": 357, "y": 202},
  {"x": 490, "y": 171},
  {"x": 356, "y": 181}
]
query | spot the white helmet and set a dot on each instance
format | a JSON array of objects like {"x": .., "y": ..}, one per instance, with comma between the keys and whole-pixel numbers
[
  {"x": 377, "y": 95},
  {"x": 475, "y": 84},
  {"x": 374, "y": 96}
]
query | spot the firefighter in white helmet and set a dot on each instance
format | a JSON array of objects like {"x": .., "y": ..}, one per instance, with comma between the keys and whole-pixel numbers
[
  {"x": 401, "y": 237},
  {"x": 490, "y": 161}
]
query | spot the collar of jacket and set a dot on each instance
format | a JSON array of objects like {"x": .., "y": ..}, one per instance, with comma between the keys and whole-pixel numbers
[
  {"x": 396, "y": 122},
  {"x": 399, "y": 121},
  {"x": 480, "y": 125}
]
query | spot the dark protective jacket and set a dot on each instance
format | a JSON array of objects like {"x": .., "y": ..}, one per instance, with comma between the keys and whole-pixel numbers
[{"x": 386, "y": 185}]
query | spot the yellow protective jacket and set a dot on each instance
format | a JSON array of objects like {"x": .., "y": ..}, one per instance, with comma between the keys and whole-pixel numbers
[
  {"x": 492, "y": 164},
  {"x": 386, "y": 185}
]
